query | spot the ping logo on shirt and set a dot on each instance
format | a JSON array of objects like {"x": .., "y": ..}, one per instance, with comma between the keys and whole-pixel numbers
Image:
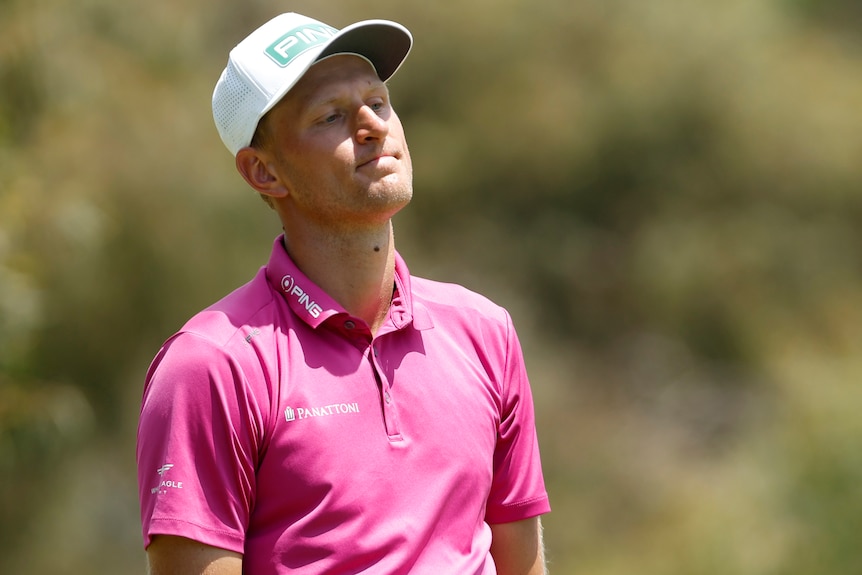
[
  {"x": 292, "y": 414},
  {"x": 288, "y": 285},
  {"x": 297, "y": 41}
]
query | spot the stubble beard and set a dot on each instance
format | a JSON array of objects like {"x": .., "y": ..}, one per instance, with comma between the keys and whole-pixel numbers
[{"x": 363, "y": 207}]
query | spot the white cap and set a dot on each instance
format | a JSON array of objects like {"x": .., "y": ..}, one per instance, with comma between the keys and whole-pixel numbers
[{"x": 270, "y": 61}]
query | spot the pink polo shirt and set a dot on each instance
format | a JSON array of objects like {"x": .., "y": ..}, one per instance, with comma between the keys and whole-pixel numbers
[{"x": 274, "y": 425}]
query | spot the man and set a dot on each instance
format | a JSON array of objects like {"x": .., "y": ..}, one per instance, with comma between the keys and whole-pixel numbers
[{"x": 336, "y": 415}]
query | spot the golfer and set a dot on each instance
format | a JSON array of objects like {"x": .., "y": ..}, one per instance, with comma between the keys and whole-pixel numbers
[{"x": 336, "y": 415}]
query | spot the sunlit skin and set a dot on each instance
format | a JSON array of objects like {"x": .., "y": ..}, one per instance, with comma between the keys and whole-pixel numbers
[
  {"x": 334, "y": 161},
  {"x": 336, "y": 149}
]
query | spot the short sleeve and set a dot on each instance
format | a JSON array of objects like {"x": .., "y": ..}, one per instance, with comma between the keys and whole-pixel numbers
[
  {"x": 518, "y": 487},
  {"x": 199, "y": 437}
]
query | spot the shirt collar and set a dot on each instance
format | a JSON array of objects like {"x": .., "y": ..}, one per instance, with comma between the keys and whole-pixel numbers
[
  {"x": 314, "y": 306},
  {"x": 404, "y": 309}
]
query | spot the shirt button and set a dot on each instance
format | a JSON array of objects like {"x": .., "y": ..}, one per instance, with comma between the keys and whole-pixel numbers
[
  {"x": 349, "y": 324},
  {"x": 387, "y": 398}
]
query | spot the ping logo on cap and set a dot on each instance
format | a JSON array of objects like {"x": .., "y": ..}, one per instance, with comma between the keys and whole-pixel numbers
[{"x": 297, "y": 41}]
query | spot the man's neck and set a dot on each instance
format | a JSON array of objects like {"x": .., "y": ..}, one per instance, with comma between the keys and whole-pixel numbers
[{"x": 356, "y": 268}]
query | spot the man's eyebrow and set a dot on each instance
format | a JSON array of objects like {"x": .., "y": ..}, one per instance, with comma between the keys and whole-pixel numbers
[
  {"x": 374, "y": 89},
  {"x": 379, "y": 88}
]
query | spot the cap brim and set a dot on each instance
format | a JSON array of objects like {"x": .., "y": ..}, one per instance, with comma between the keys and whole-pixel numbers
[{"x": 385, "y": 44}]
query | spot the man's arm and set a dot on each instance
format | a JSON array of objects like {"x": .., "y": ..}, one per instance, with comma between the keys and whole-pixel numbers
[
  {"x": 169, "y": 555},
  {"x": 517, "y": 547}
]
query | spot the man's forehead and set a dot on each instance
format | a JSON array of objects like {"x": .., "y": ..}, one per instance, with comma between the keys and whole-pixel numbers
[{"x": 330, "y": 74}]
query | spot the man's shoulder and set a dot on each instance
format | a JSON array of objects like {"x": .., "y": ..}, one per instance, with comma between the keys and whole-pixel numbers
[
  {"x": 238, "y": 312},
  {"x": 456, "y": 299}
]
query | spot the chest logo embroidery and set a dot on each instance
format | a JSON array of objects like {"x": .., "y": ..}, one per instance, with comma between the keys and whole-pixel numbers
[{"x": 298, "y": 413}]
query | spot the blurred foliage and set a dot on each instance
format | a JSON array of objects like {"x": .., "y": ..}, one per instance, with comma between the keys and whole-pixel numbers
[{"x": 667, "y": 195}]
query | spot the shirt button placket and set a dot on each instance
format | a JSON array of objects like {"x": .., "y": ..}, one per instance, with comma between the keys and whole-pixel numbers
[{"x": 390, "y": 415}]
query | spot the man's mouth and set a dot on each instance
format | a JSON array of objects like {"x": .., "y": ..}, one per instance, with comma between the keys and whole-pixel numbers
[{"x": 378, "y": 160}]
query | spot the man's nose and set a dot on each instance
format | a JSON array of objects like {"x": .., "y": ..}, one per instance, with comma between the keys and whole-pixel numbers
[{"x": 369, "y": 125}]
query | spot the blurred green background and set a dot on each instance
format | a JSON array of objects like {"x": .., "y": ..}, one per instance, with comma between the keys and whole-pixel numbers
[{"x": 666, "y": 194}]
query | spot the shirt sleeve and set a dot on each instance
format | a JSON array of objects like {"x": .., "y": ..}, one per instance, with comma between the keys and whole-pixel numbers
[
  {"x": 199, "y": 437},
  {"x": 518, "y": 487}
]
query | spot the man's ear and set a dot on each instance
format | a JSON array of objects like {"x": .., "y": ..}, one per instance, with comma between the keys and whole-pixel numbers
[{"x": 256, "y": 169}]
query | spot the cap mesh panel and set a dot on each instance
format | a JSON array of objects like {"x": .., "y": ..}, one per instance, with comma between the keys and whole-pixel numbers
[{"x": 235, "y": 109}]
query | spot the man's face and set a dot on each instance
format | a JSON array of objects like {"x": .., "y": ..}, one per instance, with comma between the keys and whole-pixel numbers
[{"x": 338, "y": 146}]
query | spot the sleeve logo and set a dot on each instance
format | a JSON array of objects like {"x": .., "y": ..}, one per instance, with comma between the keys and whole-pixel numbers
[{"x": 165, "y": 484}]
